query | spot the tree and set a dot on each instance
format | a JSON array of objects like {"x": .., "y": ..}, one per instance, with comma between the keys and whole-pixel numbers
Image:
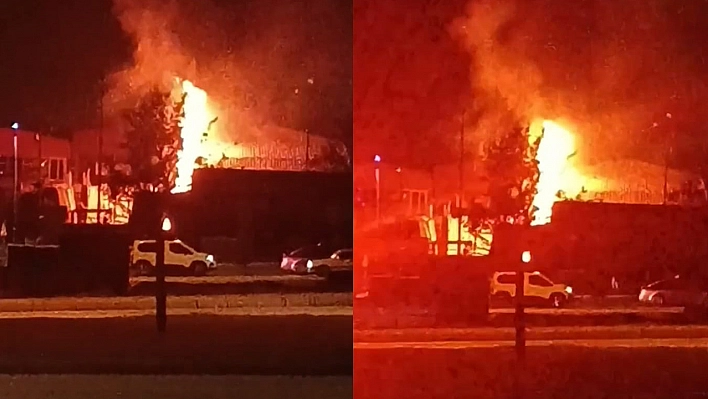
[
  {"x": 513, "y": 173},
  {"x": 152, "y": 141},
  {"x": 334, "y": 158}
]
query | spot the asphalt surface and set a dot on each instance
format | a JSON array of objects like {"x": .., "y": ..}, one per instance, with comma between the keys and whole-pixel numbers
[
  {"x": 196, "y": 302},
  {"x": 193, "y": 344},
  {"x": 101, "y": 314},
  {"x": 172, "y": 387},
  {"x": 239, "y": 285},
  {"x": 697, "y": 343},
  {"x": 387, "y": 320},
  {"x": 586, "y": 312},
  {"x": 630, "y": 332},
  {"x": 264, "y": 278}
]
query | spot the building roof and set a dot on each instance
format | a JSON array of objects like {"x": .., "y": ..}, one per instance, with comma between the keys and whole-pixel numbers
[{"x": 28, "y": 145}]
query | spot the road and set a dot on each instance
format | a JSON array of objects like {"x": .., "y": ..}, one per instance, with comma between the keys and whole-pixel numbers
[
  {"x": 233, "y": 286},
  {"x": 479, "y": 334},
  {"x": 172, "y": 387},
  {"x": 368, "y": 318},
  {"x": 578, "y": 368},
  {"x": 588, "y": 343},
  {"x": 239, "y": 285},
  {"x": 193, "y": 344},
  {"x": 117, "y": 313},
  {"x": 251, "y": 269},
  {"x": 195, "y": 302}
]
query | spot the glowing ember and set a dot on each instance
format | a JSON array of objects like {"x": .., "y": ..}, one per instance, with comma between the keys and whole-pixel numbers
[
  {"x": 194, "y": 126},
  {"x": 555, "y": 148}
]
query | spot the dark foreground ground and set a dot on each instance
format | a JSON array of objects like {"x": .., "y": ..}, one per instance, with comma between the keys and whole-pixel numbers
[
  {"x": 552, "y": 372},
  {"x": 172, "y": 387},
  {"x": 193, "y": 344}
]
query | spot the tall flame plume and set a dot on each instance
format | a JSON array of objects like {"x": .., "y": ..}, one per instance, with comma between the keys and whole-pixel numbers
[
  {"x": 556, "y": 174},
  {"x": 194, "y": 126}
]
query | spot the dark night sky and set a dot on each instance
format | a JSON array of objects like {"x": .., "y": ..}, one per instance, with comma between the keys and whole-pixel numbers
[
  {"x": 613, "y": 67},
  {"x": 54, "y": 54}
]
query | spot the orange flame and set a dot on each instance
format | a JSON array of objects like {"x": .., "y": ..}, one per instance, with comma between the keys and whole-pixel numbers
[
  {"x": 557, "y": 145},
  {"x": 194, "y": 126}
]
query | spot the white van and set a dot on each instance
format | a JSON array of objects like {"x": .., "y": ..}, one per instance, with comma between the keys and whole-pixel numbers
[
  {"x": 538, "y": 289},
  {"x": 180, "y": 258}
]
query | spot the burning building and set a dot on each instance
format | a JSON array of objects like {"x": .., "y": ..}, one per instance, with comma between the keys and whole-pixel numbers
[
  {"x": 203, "y": 144},
  {"x": 231, "y": 104}
]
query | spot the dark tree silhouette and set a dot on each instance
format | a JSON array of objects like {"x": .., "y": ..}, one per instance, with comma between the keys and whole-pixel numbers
[
  {"x": 152, "y": 141},
  {"x": 513, "y": 173},
  {"x": 334, "y": 158}
]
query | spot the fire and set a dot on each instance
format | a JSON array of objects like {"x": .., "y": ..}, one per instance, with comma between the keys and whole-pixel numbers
[
  {"x": 556, "y": 146},
  {"x": 194, "y": 126}
]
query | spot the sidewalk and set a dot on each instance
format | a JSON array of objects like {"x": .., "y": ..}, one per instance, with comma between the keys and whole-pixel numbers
[
  {"x": 176, "y": 302},
  {"x": 324, "y": 311},
  {"x": 533, "y": 333}
]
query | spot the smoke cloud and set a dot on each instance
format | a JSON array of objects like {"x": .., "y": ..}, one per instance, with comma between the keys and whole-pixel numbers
[
  {"x": 260, "y": 63},
  {"x": 160, "y": 56},
  {"x": 609, "y": 70}
]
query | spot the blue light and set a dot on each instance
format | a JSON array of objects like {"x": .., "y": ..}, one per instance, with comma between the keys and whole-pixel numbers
[{"x": 15, "y": 126}]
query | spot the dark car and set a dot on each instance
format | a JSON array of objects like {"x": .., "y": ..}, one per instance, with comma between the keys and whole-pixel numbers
[
  {"x": 297, "y": 260},
  {"x": 675, "y": 291}
]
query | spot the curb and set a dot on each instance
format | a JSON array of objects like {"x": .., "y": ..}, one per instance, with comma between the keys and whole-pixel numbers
[{"x": 185, "y": 302}]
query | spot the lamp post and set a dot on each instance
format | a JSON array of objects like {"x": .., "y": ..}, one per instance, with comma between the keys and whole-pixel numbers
[
  {"x": 519, "y": 308},
  {"x": 15, "y": 191},
  {"x": 377, "y": 161},
  {"x": 160, "y": 291},
  {"x": 520, "y": 324}
]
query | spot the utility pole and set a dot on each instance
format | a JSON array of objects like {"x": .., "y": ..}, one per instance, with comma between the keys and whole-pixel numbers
[
  {"x": 666, "y": 177},
  {"x": 377, "y": 176},
  {"x": 16, "y": 183},
  {"x": 307, "y": 149},
  {"x": 38, "y": 139},
  {"x": 461, "y": 183},
  {"x": 99, "y": 157},
  {"x": 669, "y": 151}
]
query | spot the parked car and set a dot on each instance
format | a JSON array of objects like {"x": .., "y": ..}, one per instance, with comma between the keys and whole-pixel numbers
[
  {"x": 338, "y": 263},
  {"x": 675, "y": 291},
  {"x": 297, "y": 260},
  {"x": 538, "y": 289},
  {"x": 180, "y": 259}
]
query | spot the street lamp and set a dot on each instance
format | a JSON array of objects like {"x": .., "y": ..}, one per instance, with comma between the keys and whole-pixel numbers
[
  {"x": 15, "y": 191},
  {"x": 526, "y": 257},
  {"x": 166, "y": 224},
  {"x": 377, "y": 161},
  {"x": 669, "y": 152}
]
